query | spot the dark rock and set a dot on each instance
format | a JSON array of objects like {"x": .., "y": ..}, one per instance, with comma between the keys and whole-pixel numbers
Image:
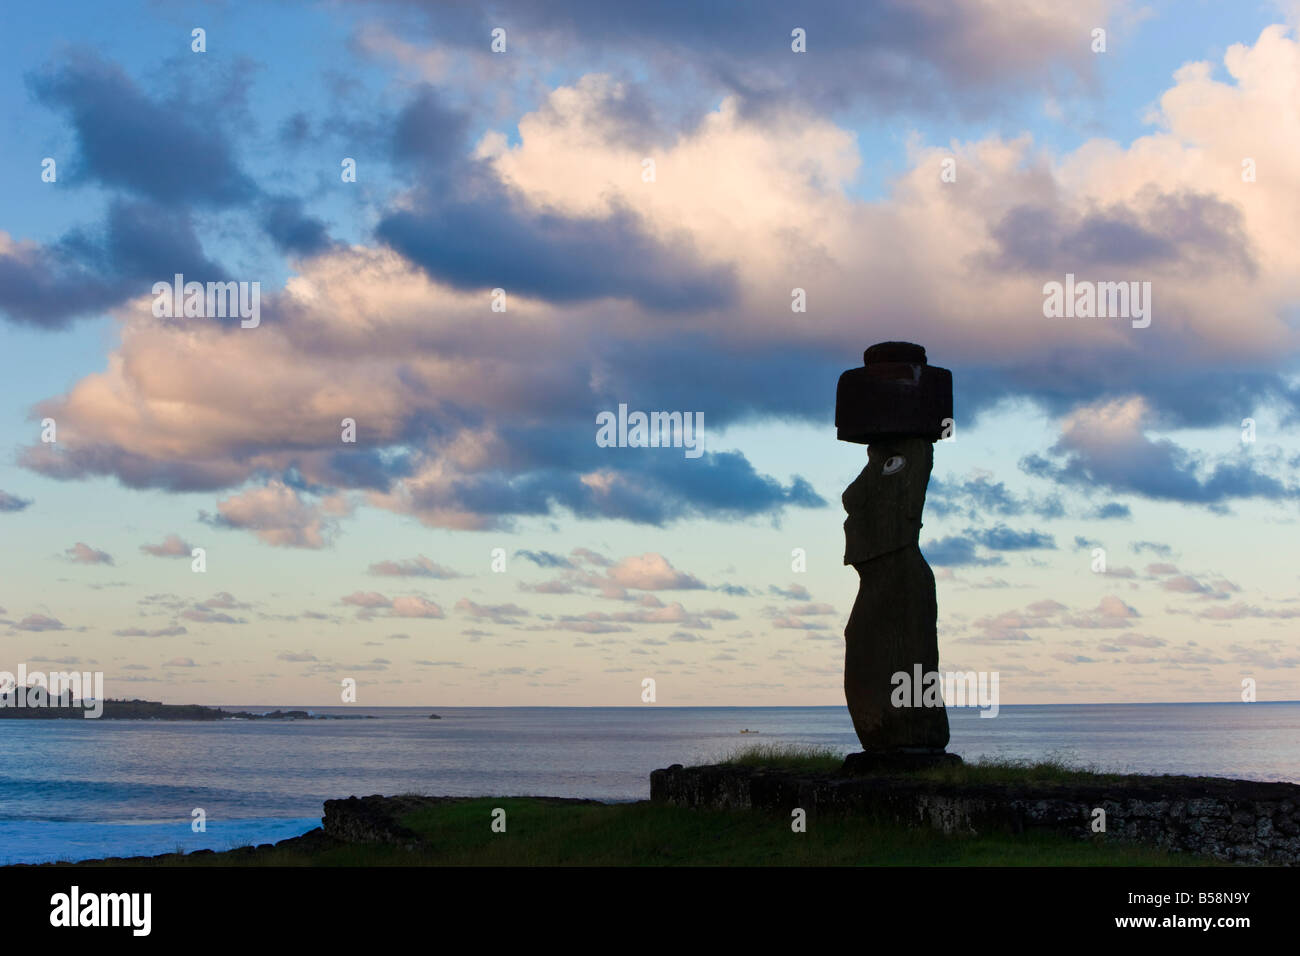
[{"x": 370, "y": 819}]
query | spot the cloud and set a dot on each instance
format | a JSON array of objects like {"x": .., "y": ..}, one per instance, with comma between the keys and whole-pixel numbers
[
  {"x": 1002, "y": 538},
  {"x": 118, "y": 130},
  {"x": 497, "y": 613},
  {"x": 173, "y": 631},
  {"x": 498, "y": 241},
  {"x": 11, "y": 503},
  {"x": 1109, "y": 612},
  {"x": 40, "y": 622},
  {"x": 600, "y": 622},
  {"x": 545, "y": 559},
  {"x": 797, "y": 623},
  {"x": 1269, "y": 655},
  {"x": 412, "y": 606},
  {"x": 202, "y": 615},
  {"x": 89, "y": 270},
  {"x": 583, "y": 626},
  {"x": 1184, "y": 584},
  {"x": 471, "y": 473},
  {"x": 418, "y": 567},
  {"x": 957, "y": 551},
  {"x": 1105, "y": 445},
  {"x": 548, "y": 587},
  {"x": 1156, "y": 547},
  {"x": 47, "y": 287},
  {"x": 1186, "y": 230},
  {"x": 226, "y": 600},
  {"x": 1240, "y": 610},
  {"x": 645, "y": 572},
  {"x": 803, "y": 610},
  {"x": 277, "y": 514},
  {"x": 884, "y": 56},
  {"x": 793, "y": 618},
  {"x": 1015, "y": 625},
  {"x": 213, "y": 610},
  {"x": 651, "y": 572},
  {"x": 1074, "y": 658},
  {"x": 292, "y": 230},
  {"x": 367, "y": 599},
  {"x": 980, "y": 497},
  {"x": 428, "y": 132},
  {"x": 475, "y": 419},
  {"x": 795, "y": 592},
  {"x": 172, "y": 546},
  {"x": 374, "y": 40},
  {"x": 83, "y": 553},
  {"x": 1130, "y": 640}
]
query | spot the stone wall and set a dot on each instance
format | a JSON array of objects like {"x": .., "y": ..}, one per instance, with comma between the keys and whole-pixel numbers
[{"x": 1230, "y": 820}]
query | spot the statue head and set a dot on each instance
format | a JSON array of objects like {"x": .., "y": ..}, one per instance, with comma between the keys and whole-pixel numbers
[{"x": 885, "y": 501}]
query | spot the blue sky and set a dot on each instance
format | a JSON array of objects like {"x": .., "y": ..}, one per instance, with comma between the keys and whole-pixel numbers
[{"x": 524, "y": 170}]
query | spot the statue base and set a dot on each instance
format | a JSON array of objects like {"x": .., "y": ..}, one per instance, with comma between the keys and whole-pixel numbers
[{"x": 885, "y": 761}]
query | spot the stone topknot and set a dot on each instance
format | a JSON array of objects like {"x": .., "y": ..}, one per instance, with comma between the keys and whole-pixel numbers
[{"x": 906, "y": 352}]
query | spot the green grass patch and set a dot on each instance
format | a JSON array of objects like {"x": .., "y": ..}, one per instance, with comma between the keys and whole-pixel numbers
[
  {"x": 542, "y": 833},
  {"x": 1050, "y": 769},
  {"x": 785, "y": 757}
]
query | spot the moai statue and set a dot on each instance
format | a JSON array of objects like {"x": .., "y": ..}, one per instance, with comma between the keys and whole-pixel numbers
[{"x": 897, "y": 405}]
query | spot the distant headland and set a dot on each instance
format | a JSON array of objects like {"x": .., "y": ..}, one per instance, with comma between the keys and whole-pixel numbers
[{"x": 154, "y": 710}]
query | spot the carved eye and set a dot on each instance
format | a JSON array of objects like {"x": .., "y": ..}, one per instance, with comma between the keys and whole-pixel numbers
[{"x": 894, "y": 463}]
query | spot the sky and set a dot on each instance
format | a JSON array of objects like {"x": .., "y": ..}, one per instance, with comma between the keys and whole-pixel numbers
[{"x": 617, "y": 206}]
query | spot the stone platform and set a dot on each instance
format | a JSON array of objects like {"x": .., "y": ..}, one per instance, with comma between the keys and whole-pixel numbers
[{"x": 1230, "y": 820}]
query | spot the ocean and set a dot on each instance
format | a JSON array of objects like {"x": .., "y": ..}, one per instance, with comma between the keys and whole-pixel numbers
[{"x": 81, "y": 789}]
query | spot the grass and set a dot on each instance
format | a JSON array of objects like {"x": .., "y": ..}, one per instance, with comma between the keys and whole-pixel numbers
[
  {"x": 1052, "y": 769},
  {"x": 541, "y": 833},
  {"x": 546, "y": 833},
  {"x": 785, "y": 757}
]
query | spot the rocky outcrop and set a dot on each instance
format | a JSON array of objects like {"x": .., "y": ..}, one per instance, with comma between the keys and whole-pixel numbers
[
  {"x": 373, "y": 819},
  {"x": 1229, "y": 820}
]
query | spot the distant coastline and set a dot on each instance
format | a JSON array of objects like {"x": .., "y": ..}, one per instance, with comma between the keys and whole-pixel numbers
[{"x": 69, "y": 709}]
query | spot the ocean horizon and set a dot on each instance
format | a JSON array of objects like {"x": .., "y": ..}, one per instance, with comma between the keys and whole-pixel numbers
[{"x": 82, "y": 789}]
